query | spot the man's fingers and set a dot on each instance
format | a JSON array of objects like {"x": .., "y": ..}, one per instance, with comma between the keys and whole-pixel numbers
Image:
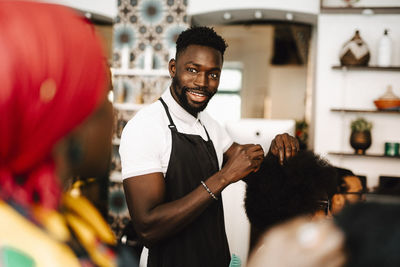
[
  {"x": 256, "y": 169},
  {"x": 294, "y": 150},
  {"x": 257, "y": 162},
  {"x": 295, "y": 146},
  {"x": 277, "y": 146},
  {"x": 281, "y": 156},
  {"x": 288, "y": 151},
  {"x": 254, "y": 148},
  {"x": 287, "y": 145}
]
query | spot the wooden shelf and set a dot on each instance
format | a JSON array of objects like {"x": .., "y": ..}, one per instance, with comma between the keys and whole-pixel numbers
[
  {"x": 347, "y": 154},
  {"x": 347, "y": 110},
  {"x": 391, "y": 68},
  {"x": 139, "y": 72},
  {"x": 360, "y": 10}
]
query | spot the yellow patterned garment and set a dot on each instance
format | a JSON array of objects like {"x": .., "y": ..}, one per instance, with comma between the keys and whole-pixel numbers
[{"x": 44, "y": 237}]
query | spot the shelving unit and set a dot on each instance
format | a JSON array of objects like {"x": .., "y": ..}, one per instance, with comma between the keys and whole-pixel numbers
[
  {"x": 346, "y": 154},
  {"x": 357, "y": 10},
  {"x": 125, "y": 111},
  {"x": 343, "y": 93},
  {"x": 346, "y": 109},
  {"x": 349, "y": 110},
  {"x": 366, "y": 68},
  {"x": 360, "y": 10}
]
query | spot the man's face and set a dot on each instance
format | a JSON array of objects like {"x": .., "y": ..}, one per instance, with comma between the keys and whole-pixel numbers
[
  {"x": 353, "y": 194},
  {"x": 195, "y": 77}
]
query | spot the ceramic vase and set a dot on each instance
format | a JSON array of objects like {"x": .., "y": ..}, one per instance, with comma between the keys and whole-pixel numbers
[{"x": 360, "y": 141}]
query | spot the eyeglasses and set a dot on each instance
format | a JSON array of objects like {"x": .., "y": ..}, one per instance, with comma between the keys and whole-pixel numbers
[
  {"x": 359, "y": 195},
  {"x": 324, "y": 205}
]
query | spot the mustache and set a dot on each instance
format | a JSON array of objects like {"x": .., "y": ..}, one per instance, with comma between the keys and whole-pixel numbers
[{"x": 203, "y": 90}]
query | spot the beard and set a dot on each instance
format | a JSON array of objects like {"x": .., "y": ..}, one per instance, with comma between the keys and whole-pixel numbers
[{"x": 181, "y": 91}]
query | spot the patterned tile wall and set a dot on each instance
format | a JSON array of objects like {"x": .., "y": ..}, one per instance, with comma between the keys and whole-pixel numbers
[
  {"x": 148, "y": 22},
  {"x": 142, "y": 23}
]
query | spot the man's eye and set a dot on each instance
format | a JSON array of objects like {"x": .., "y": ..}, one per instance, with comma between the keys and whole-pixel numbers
[
  {"x": 192, "y": 70},
  {"x": 214, "y": 75}
]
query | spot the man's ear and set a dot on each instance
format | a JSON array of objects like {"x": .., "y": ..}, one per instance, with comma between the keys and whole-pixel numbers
[
  {"x": 172, "y": 68},
  {"x": 338, "y": 202}
]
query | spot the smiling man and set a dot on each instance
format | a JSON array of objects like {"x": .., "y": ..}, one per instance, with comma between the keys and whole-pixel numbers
[{"x": 176, "y": 160}]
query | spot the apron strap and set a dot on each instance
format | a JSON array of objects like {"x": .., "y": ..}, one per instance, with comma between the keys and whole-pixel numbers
[
  {"x": 171, "y": 122},
  {"x": 205, "y": 129}
]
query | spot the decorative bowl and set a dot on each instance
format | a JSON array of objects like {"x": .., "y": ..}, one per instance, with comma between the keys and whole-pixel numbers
[{"x": 387, "y": 103}]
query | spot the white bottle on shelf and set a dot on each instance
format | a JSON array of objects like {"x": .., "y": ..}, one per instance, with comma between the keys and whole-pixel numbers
[{"x": 385, "y": 50}]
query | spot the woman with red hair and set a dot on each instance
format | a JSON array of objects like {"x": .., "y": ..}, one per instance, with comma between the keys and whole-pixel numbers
[{"x": 52, "y": 95}]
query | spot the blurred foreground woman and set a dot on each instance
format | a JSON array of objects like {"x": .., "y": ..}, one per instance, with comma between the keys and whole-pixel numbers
[
  {"x": 300, "y": 243},
  {"x": 52, "y": 97}
]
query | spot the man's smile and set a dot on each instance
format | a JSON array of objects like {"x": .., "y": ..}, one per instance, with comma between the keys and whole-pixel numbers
[{"x": 197, "y": 96}]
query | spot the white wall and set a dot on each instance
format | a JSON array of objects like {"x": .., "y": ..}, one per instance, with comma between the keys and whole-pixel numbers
[
  {"x": 251, "y": 45},
  {"x": 267, "y": 92},
  {"x": 288, "y": 95},
  {"x": 205, "y": 6},
  {"x": 355, "y": 89}
]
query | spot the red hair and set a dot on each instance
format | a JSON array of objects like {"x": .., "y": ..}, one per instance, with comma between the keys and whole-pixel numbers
[{"x": 52, "y": 73}]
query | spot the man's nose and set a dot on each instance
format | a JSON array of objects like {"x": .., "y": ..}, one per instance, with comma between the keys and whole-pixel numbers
[{"x": 201, "y": 79}]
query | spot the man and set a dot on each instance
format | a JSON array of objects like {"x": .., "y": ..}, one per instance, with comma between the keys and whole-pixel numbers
[
  {"x": 176, "y": 160},
  {"x": 350, "y": 190}
]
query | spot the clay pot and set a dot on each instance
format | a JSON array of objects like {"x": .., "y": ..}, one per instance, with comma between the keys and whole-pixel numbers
[
  {"x": 360, "y": 141},
  {"x": 354, "y": 52}
]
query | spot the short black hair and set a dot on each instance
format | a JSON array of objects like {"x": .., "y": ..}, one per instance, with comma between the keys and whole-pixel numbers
[
  {"x": 204, "y": 36},
  {"x": 342, "y": 185},
  {"x": 341, "y": 174},
  {"x": 277, "y": 193}
]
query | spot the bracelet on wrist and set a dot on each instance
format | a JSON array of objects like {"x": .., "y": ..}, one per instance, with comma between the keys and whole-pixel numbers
[{"x": 208, "y": 190}]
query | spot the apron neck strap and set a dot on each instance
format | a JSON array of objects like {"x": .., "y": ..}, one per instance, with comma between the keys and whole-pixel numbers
[{"x": 171, "y": 122}]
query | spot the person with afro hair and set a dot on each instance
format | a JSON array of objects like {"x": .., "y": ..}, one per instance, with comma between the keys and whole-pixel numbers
[{"x": 303, "y": 185}]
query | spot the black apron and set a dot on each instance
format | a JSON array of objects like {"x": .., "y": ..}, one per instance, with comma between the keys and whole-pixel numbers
[{"x": 203, "y": 242}]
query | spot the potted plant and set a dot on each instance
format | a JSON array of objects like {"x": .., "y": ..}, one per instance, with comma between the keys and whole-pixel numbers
[
  {"x": 302, "y": 133},
  {"x": 360, "y": 138}
]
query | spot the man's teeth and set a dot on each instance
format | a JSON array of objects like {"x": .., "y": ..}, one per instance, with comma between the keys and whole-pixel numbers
[{"x": 198, "y": 94}]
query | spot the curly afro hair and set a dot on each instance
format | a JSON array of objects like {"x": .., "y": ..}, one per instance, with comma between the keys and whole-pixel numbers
[
  {"x": 204, "y": 36},
  {"x": 277, "y": 193}
]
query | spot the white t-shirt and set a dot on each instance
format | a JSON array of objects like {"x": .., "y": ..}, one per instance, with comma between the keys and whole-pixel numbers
[{"x": 146, "y": 139}]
